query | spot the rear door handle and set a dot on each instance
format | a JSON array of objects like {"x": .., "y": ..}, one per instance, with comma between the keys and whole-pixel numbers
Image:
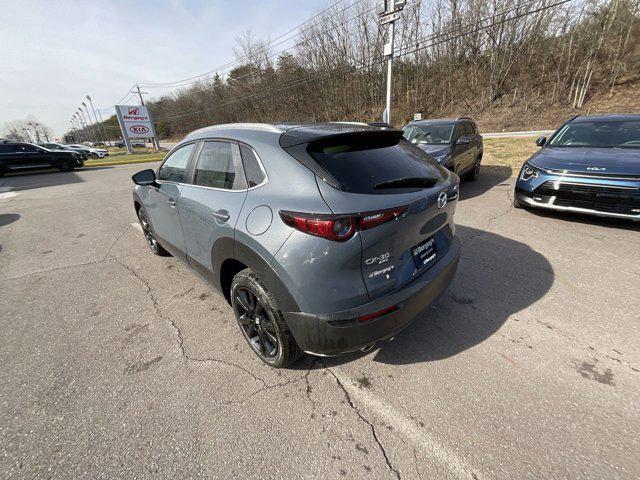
[
  {"x": 171, "y": 202},
  {"x": 221, "y": 215}
]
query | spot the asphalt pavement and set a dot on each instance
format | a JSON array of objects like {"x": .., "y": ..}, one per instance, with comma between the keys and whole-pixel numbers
[{"x": 120, "y": 364}]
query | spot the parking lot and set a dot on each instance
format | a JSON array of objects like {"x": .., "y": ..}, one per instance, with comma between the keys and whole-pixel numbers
[{"x": 120, "y": 364}]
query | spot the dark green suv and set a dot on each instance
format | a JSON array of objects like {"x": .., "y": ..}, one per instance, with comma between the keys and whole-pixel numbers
[{"x": 454, "y": 143}]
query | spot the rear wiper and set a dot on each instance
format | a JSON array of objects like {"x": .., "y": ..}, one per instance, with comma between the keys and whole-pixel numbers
[{"x": 410, "y": 182}]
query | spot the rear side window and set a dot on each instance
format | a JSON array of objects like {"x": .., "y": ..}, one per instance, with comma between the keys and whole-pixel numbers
[
  {"x": 252, "y": 169},
  {"x": 174, "y": 167},
  {"x": 6, "y": 148},
  {"x": 366, "y": 165},
  {"x": 217, "y": 167}
]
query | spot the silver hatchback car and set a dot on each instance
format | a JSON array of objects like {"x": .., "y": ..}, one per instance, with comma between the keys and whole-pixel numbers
[{"x": 324, "y": 238}]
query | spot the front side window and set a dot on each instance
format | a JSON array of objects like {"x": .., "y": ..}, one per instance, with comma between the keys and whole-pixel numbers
[
  {"x": 598, "y": 134},
  {"x": 430, "y": 134},
  {"x": 28, "y": 148},
  {"x": 174, "y": 167},
  {"x": 255, "y": 175},
  {"x": 217, "y": 167}
]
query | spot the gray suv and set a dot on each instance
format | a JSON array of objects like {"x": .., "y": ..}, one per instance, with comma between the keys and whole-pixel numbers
[{"x": 324, "y": 238}]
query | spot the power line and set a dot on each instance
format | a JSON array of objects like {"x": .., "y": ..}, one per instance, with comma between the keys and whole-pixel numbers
[
  {"x": 378, "y": 62},
  {"x": 264, "y": 48}
]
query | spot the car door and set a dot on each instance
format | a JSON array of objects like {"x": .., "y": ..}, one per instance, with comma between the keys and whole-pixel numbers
[
  {"x": 210, "y": 204},
  {"x": 462, "y": 149},
  {"x": 30, "y": 156},
  {"x": 163, "y": 199}
]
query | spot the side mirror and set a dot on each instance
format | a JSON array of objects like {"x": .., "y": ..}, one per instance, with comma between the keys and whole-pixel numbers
[
  {"x": 463, "y": 141},
  {"x": 145, "y": 178},
  {"x": 540, "y": 141}
]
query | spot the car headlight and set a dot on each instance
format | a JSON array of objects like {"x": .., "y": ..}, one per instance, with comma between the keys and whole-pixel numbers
[{"x": 528, "y": 172}]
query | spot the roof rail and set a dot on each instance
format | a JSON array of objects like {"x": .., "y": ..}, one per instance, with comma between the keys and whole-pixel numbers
[
  {"x": 572, "y": 118},
  {"x": 464, "y": 118},
  {"x": 265, "y": 127}
]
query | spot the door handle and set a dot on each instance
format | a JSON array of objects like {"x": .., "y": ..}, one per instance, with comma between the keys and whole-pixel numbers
[
  {"x": 221, "y": 215},
  {"x": 171, "y": 202}
]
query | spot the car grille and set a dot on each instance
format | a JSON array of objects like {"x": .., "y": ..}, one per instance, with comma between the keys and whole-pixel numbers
[{"x": 593, "y": 197}]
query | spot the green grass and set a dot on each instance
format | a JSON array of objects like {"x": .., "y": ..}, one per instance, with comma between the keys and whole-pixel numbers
[
  {"x": 124, "y": 159},
  {"x": 508, "y": 153}
]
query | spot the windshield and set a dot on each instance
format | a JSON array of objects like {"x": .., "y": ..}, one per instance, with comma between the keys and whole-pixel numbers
[
  {"x": 431, "y": 134},
  {"x": 607, "y": 134}
]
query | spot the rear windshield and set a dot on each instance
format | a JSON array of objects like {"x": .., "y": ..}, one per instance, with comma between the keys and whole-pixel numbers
[{"x": 375, "y": 166}]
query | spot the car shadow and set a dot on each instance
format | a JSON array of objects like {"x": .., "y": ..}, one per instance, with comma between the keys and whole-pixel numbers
[
  {"x": 17, "y": 181},
  {"x": 490, "y": 176},
  {"x": 619, "y": 223},
  {"x": 497, "y": 278}
]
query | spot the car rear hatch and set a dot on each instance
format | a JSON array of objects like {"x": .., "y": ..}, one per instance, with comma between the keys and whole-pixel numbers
[{"x": 403, "y": 199}]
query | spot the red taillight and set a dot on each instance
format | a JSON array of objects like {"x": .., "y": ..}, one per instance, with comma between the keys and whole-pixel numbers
[
  {"x": 338, "y": 227},
  {"x": 333, "y": 227},
  {"x": 377, "y": 314},
  {"x": 373, "y": 219}
]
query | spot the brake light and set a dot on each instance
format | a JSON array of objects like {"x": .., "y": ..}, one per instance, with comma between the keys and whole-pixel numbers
[
  {"x": 373, "y": 219},
  {"x": 338, "y": 228}
]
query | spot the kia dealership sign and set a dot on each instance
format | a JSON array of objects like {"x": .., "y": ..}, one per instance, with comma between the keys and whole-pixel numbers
[{"x": 135, "y": 121}]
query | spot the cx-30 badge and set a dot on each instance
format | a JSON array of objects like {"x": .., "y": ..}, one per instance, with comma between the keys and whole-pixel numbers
[{"x": 442, "y": 199}]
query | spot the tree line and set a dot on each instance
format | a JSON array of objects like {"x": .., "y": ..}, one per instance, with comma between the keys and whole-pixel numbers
[{"x": 452, "y": 57}]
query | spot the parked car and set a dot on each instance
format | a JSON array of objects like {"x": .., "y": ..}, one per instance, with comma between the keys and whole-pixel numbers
[
  {"x": 27, "y": 156},
  {"x": 591, "y": 165},
  {"x": 90, "y": 151},
  {"x": 60, "y": 146},
  {"x": 138, "y": 144},
  {"x": 324, "y": 238},
  {"x": 454, "y": 143},
  {"x": 119, "y": 144}
]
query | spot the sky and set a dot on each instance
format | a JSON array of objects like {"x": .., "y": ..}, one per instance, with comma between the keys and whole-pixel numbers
[{"x": 54, "y": 53}]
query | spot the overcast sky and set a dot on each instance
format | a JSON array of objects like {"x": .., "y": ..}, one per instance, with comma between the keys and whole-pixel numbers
[{"x": 53, "y": 53}]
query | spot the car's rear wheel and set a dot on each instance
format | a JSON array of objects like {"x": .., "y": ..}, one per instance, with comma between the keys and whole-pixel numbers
[
  {"x": 261, "y": 321},
  {"x": 65, "y": 165},
  {"x": 475, "y": 173},
  {"x": 94, "y": 155},
  {"x": 149, "y": 235}
]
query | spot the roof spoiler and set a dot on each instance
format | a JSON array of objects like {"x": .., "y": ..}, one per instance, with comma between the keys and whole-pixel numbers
[{"x": 297, "y": 136}]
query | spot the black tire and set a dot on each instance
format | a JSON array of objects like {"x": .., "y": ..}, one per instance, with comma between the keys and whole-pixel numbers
[
  {"x": 261, "y": 322},
  {"x": 149, "y": 235},
  {"x": 65, "y": 165},
  {"x": 94, "y": 155},
  {"x": 517, "y": 203},
  {"x": 475, "y": 172}
]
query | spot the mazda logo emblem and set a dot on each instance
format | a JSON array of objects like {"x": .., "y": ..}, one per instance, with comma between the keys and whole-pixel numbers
[{"x": 442, "y": 199}]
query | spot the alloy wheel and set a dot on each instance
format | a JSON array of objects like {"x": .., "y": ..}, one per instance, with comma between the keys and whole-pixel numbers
[
  {"x": 256, "y": 323},
  {"x": 146, "y": 230}
]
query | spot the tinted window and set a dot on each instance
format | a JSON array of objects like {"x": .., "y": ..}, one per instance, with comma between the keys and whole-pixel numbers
[
  {"x": 27, "y": 148},
  {"x": 431, "y": 134},
  {"x": 5, "y": 148},
  {"x": 255, "y": 175},
  {"x": 467, "y": 129},
  {"x": 216, "y": 167},
  {"x": 606, "y": 134},
  {"x": 362, "y": 165},
  {"x": 174, "y": 167}
]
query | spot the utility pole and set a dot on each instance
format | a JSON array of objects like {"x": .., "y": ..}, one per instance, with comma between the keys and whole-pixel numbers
[
  {"x": 389, "y": 12},
  {"x": 156, "y": 145}
]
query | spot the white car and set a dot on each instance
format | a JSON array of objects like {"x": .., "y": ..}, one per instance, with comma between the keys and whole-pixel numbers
[{"x": 93, "y": 152}]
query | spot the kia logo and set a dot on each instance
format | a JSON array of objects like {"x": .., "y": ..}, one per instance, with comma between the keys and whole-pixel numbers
[
  {"x": 139, "y": 129},
  {"x": 442, "y": 199},
  {"x": 134, "y": 111}
]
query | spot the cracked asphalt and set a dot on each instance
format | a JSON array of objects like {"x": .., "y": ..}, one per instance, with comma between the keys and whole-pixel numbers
[{"x": 120, "y": 364}]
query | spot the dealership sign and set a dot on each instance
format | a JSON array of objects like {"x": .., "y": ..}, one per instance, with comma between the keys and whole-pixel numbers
[{"x": 135, "y": 121}]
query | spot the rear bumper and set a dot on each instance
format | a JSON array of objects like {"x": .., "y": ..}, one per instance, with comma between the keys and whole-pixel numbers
[{"x": 341, "y": 332}]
